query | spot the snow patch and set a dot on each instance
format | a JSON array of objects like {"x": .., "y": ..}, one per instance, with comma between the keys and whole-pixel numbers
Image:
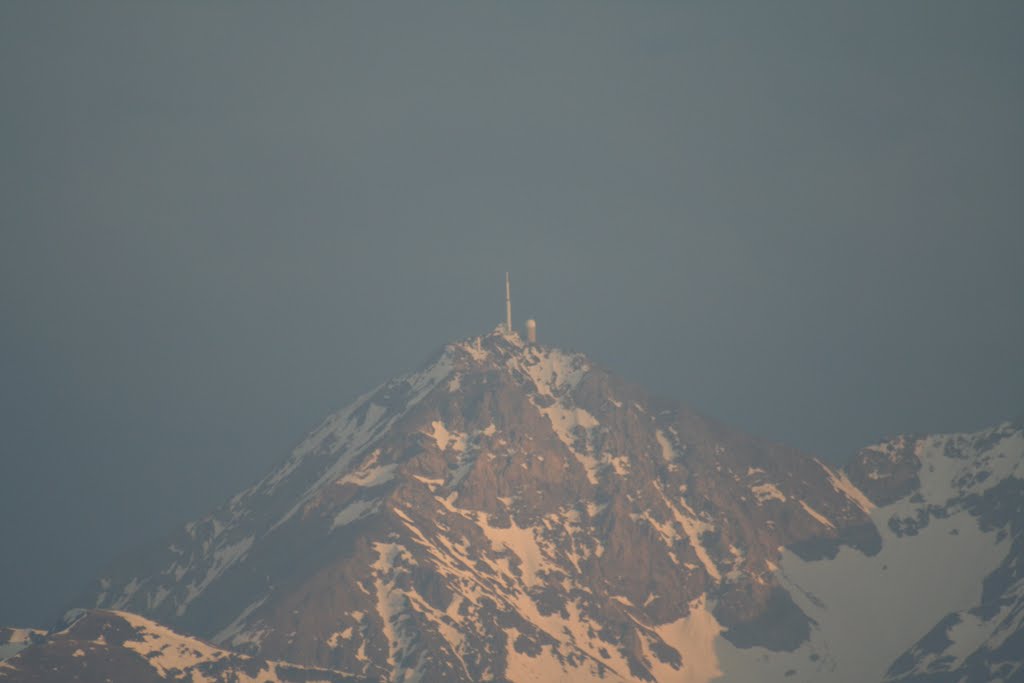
[
  {"x": 693, "y": 527},
  {"x": 370, "y": 476},
  {"x": 226, "y": 634},
  {"x": 354, "y": 511},
  {"x": 431, "y": 483},
  {"x": 351, "y": 435},
  {"x": 553, "y": 372},
  {"x": 693, "y": 637},
  {"x": 130, "y": 589},
  {"x": 444, "y": 438},
  {"x": 841, "y": 483},
  {"x": 566, "y": 423},
  {"x": 881, "y": 604},
  {"x": 391, "y": 607},
  {"x": 547, "y": 667},
  {"x": 335, "y": 638},
  {"x": 17, "y": 640},
  {"x": 222, "y": 558},
  {"x": 165, "y": 650},
  {"x": 668, "y": 452},
  {"x": 821, "y": 519},
  {"x": 766, "y": 492},
  {"x": 521, "y": 542}
]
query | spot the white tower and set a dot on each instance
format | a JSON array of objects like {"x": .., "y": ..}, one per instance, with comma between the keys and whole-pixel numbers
[
  {"x": 508, "y": 306},
  {"x": 531, "y": 331}
]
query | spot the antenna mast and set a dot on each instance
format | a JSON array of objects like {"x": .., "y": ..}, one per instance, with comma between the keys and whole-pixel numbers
[{"x": 508, "y": 306}]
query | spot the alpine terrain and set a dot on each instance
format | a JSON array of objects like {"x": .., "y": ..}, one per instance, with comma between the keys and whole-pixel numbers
[{"x": 513, "y": 512}]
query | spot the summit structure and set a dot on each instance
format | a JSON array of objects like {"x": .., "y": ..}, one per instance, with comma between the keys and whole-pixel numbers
[
  {"x": 513, "y": 512},
  {"x": 508, "y": 306}
]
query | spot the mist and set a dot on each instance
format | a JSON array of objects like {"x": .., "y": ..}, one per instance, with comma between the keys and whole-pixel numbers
[{"x": 221, "y": 223}]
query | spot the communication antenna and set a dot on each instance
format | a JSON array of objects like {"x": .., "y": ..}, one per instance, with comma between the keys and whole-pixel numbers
[{"x": 508, "y": 306}]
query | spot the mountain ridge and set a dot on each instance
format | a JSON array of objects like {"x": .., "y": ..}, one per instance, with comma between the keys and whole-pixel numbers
[{"x": 511, "y": 510}]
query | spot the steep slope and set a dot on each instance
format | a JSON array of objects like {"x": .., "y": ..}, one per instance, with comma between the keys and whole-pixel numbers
[
  {"x": 942, "y": 599},
  {"x": 513, "y": 512},
  {"x": 97, "y": 645},
  {"x": 984, "y": 640},
  {"x": 14, "y": 640}
]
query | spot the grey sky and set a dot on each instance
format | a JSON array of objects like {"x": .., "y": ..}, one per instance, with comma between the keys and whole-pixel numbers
[{"x": 222, "y": 221}]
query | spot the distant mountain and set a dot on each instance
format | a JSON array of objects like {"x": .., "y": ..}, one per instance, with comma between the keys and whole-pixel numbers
[
  {"x": 98, "y": 645},
  {"x": 961, "y": 523},
  {"x": 515, "y": 512},
  {"x": 14, "y": 640},
  {"x": 943, "y": 600}
]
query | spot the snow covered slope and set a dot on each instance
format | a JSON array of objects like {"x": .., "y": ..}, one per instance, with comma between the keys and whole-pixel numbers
[
  {"x": 514, "y": 512},
  {"x": 941, "y": 600},
  {"x": 981, "y": 638},
  {"x": 98, "y": 645},
  {"x": 14, "y": 640},
  {"x": 511, "y": 510}
]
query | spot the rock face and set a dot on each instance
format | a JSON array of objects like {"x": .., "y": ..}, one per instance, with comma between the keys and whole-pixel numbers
[
  {"x": 943, "y": 599},
  {"x": 14, "y": 640},
  {"x": 973, "y": 484},
  {"x": 514, "y": 512},
  {"x": 98, "y": 645}
]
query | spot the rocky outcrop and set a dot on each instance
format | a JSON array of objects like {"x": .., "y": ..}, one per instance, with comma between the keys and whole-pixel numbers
[
  {"x": 887, "y": 471},
  {"x": 984, "y": 640},
  {"x": 100, "y": 645},
  {"x": 515, "y": 512},
  {"x": 506, "y": 507}
]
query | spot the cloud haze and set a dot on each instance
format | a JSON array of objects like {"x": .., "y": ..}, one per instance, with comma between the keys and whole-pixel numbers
[{"x": 222, "y": 222}]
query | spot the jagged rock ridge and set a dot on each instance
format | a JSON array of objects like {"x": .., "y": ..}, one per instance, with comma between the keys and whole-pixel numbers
[
  {"x": 100, "y": 645},
  {"x": 943, "y": 599},
  {"x": 508, "y": 510},
  {"x": 513, "y": 512}
]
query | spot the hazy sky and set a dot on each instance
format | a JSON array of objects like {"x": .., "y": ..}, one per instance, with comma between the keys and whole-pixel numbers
[{"x": 221, "y": 222}]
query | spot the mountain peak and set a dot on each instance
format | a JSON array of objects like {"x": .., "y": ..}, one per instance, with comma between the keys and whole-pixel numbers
[
  {"x": 503, "y": 485},
  {"x": 511, "y": 510},
  {"x": 552, "y": 370}
]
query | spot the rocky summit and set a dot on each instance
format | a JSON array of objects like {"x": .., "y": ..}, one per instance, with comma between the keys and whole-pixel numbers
[{"x": 514, "y": 512}]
